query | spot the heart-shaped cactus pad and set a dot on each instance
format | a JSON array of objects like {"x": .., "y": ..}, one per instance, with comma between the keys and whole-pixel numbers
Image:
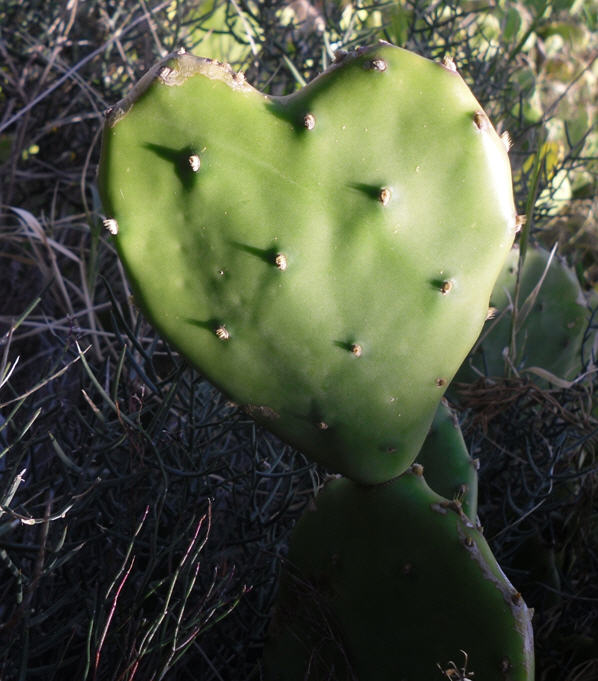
[{"x": 325, "y": 258}]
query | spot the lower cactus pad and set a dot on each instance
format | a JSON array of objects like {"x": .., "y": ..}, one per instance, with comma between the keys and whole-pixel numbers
[{"x": 393, "y": 583}]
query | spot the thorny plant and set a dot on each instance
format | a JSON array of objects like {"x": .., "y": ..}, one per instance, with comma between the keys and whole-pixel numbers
[{"x": 141, "y": 515}]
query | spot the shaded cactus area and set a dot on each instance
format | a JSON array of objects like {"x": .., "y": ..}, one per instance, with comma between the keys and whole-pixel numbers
[{"x": 153, "y": 527}]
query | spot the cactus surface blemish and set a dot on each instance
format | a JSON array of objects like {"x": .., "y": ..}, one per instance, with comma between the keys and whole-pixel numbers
[
  {"x": 194, "y": 162},
  {"x": 111, "y": 226},
  {"x": 281, "y": 261},
  {"x": 520, "y": 221},
  {"x": 446, "y": 286},
  {"x": 481, "y": 120},
  {"x": 378, "y": 64},
  {"x": 309, "y": 121},
  {"x": 449, "y": 63},
  {"x": 165, "y": 74},
  {"x": 384, "y": 196},
  {"x": 356, "y": 349},
  {"x": 222, "y": 333}
]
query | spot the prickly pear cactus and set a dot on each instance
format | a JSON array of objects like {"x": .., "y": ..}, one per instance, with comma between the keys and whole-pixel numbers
[
  {"x": 548, "y": 333},
  {"x": 393, "y": 582},
  {"x": 447, "y": 466},
  {"x": 326, "y": 258}
]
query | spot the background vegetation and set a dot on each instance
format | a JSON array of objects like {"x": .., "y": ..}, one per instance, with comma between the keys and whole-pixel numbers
[{"x": 142, "y": 516}]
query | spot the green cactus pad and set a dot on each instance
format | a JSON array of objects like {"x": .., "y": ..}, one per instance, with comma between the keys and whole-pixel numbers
[
  {"x": 549, "y": 333},
  {"x": 391, "y": 583},
  {"x": 326, "y": 258},
  {"x": 447, "y": 466}
]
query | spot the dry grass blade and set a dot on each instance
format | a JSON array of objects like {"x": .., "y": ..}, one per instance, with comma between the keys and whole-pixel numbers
[
  {"x": 44, "y": 382},
  {"x": 528, "y": 304}
]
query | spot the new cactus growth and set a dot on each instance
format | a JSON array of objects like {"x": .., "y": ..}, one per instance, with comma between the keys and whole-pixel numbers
[
  {"x": 549, "y": 324},
  {"x": 325, "y": 258},
  {"x": 447, "y": 466},
  {"x": 392, "y": 582}
]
